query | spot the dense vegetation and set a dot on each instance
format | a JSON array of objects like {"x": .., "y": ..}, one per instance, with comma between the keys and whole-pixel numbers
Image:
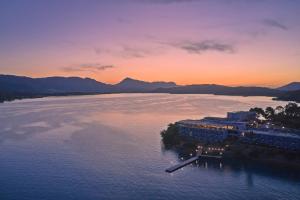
[
  {"x": 170, "y": 137},
  {"x": 5, "y": 96},
  {"x": 290, "y": 96},
  {"x": 287, "y": 116}
]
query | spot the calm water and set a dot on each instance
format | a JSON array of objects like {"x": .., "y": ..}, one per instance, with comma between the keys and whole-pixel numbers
[{"x": 108, "y": 147}]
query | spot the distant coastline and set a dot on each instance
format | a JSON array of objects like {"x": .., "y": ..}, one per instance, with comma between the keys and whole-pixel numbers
[
  {"x": 20, "y": 87},
  {"x": 20, "y": 96},
  {"x": 7, "y": 97}
]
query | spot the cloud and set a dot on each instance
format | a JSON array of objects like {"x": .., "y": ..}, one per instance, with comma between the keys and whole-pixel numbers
[
  {"x": 129, "y": 51},
  {"x": 159, "y": 47},
  {"x": 275, "y": 24},
  {"x": 205, "y": 46},
  {"x": 134, "y": 52},
  {"x": 89, "y": 67}
]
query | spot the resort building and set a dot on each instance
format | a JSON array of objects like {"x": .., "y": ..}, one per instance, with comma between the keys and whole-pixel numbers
[{"x": 238, "y": 124}]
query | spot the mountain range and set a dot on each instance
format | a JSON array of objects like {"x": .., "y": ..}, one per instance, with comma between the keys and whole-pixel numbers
[
  {"x": 12, "y": 87},
  {"x": 49, "y": 85}
]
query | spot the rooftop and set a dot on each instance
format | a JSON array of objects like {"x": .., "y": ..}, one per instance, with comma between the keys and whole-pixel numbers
[
  {"x": 276, "y": 133},
  {"x": 213, "y": 123}
]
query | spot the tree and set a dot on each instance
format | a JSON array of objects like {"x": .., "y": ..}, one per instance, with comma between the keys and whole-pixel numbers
[
  {"x": 259, "y": 112},
  {"x": 170, "y": 136},
  {"x": 269, "y": 113},
  {"x": 279, "y": 110},
  {"x": 287, "y": 116},
  {"x": 292, "y": 109}
]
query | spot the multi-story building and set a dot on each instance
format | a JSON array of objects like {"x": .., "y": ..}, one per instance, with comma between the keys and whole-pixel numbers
[{"x": 239, "y": 124}]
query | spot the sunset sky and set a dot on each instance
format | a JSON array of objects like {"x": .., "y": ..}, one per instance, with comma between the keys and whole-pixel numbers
[{"x": 231, "y": 42}]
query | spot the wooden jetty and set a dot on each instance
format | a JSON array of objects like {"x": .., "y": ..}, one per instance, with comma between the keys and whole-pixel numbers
[
  {"x": 180, "y": 165},
  {"x": 209, "y": 156},
  {"x": 189, "y": 161}
]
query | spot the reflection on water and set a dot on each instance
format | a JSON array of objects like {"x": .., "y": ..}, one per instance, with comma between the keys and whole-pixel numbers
[
  {"x": 248, "y": 167},
  {"x": 109, "y": 147}
]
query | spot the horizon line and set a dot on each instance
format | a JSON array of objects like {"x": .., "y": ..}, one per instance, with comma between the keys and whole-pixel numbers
[{"x": 137, "y": 79}]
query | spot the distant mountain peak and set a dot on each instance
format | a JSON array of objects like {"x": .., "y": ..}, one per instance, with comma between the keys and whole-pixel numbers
[
  {"x": 293, "y": 86},
  {"x": 138, "y": 85},
  {"x": 128, "y": 79}
]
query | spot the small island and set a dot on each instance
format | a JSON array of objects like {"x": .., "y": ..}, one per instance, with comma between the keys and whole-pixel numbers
[{"x": 270, "y": 135}]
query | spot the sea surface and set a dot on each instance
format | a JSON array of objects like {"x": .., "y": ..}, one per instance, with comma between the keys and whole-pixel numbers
[{"x": 109, "y": 147}]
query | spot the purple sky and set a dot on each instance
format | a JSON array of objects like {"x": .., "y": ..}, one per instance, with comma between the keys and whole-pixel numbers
[{"x": 234, "y": 42}]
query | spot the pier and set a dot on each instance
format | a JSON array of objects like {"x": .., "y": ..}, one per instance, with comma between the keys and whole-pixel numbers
[
  {"x": 209, "y": 156},
  {"x": 189, "y": 161},
  {"x": 180, "y": 165}
]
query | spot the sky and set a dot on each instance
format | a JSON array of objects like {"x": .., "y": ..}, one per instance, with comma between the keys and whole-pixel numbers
[{"x": 230, "y": 42}]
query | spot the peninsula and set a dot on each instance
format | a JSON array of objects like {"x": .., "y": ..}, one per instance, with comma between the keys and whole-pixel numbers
[{"x": 270, "y": 135}]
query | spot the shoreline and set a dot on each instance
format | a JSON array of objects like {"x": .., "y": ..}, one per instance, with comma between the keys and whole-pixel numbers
[
  {"x": 38, "y": 96},
  {"x": 232, "y": 147},
  {"x": 9, "y": 97},
  {"x": 279, "y": 160}
]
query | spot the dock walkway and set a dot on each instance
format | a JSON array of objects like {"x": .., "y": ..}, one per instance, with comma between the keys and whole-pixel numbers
[
  {"x": 189, "y": 161},
  {"x": 180, "y": 165}
]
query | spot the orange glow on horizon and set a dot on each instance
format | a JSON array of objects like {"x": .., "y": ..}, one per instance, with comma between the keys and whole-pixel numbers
[{"x": 187, "y": 42}]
